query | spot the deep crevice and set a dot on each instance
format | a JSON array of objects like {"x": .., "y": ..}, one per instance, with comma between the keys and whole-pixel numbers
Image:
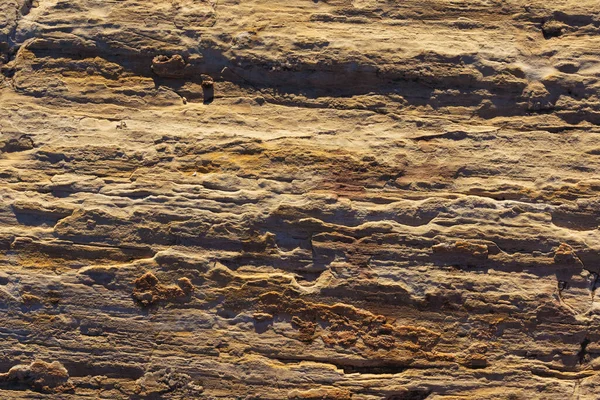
[
  {"x": 583, "y": 351},
  {"x": 384, "y": 368}
]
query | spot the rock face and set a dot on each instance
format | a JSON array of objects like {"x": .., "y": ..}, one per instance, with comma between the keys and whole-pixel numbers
[{"x": 341, "y": 199}]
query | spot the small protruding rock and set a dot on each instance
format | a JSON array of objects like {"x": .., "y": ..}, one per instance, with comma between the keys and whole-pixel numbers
[
  {"x": 169, "y": 67},
  {"x": 207, "y": 81},
  {"x": 186, "y": 285},
  {"x": 538, "y": 97},
  {"x": 565, "y": 254},
  {"x": 262, "y": 317}
]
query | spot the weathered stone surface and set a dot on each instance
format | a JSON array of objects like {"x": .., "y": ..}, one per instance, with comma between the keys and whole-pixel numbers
[{"x": 344, "y": 199}]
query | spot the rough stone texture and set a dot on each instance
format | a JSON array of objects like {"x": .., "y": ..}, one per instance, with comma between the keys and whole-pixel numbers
[{"x": 341, "y": 199}]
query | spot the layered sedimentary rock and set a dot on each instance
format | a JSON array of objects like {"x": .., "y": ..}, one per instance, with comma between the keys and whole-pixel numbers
[{"x": 299, "y": 200}]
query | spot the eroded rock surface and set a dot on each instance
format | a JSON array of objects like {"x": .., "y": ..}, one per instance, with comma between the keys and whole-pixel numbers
[{"x": 349, "y": 199}]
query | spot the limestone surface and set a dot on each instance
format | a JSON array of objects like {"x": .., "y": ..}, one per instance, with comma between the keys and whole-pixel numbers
[{"x": 312, "y": 199}]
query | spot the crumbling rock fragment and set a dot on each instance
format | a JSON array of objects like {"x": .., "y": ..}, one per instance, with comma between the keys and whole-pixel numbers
[
  {"x": 167, "y": 380},
  {"x": 565, "y": 254},
  {"x": 475, "y": 356},
  {"x": 169, "y": 67},
  {"x": 207, "y": 81},
  {"x": 538, "y": 97},
  {"x": 40, "y": 376},
  {"x": 148, "y": 290}
]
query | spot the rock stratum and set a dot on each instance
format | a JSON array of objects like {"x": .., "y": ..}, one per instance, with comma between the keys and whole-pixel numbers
[{"x": 315, "y": 199}]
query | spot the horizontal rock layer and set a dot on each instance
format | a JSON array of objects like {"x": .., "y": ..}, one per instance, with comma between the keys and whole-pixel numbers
[{"x": 305, "y": 200}]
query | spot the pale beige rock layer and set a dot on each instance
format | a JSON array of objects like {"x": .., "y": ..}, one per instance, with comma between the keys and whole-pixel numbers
[{"x": 299, "y": 200}]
